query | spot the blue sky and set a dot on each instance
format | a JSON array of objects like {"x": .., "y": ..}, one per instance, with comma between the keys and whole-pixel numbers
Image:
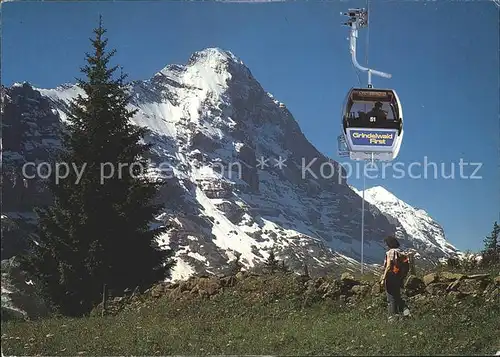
[{"x": 444, "y": 58}]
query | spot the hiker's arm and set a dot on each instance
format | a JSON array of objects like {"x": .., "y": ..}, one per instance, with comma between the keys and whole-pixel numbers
[
  {"x": 384, "y": 273},
  {"x": 386, "y": 270}
]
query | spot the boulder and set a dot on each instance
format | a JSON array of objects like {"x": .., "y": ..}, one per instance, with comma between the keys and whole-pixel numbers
[
  {"x": 443, "y": 277},
  {"x": 360, "y": 290},
  {"x": 158, "y": 291},
  {"x": 430, "y": 278},
  {"x": 473, "y": 286},
  {"x": 447, "y": 276},
  {"x": 175, "y": 294},
  {"x": 414, "y": 285},
  {"x": 479, "y": 276},
  {"x": 348, "y": 281},
  {"x": 453, "y": 286},
  {"x": 347, "y": 277},
  {"x": 377, "y": 289},
  {"x": 436, "y": 288},
  {"x": 184, "y": 286},
  {"x": 318, "y": 282},
  {"x": 210, "y": 286},
  {"x": 331, "y": 290}
]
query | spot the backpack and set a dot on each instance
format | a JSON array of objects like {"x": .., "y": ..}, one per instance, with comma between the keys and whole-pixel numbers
[{"x": 401, "y": 265}]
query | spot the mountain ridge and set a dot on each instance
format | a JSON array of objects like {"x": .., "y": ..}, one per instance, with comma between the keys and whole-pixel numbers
[
  {"x": 412, "y": 222},
  {"x": 211, "y": 122}
]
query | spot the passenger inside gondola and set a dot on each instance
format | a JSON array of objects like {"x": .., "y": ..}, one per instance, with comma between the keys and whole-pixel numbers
[{"x": 379, "y": 115}]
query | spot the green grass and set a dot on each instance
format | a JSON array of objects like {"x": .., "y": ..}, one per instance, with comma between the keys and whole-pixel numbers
[{"x": 233, "y": 323}]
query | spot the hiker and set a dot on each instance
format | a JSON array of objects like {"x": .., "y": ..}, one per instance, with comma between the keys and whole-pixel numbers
[{"x": 396, "y": 266}]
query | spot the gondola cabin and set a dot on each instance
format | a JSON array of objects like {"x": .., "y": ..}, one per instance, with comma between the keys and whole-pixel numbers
[{"x": 372, "y": 121}]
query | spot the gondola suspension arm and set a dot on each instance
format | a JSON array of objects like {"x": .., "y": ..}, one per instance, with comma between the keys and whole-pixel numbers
[{"x": 357, "y": 19}]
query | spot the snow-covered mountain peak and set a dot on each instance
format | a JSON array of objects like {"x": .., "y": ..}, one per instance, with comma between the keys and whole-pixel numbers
[
  {"x": 213, "y": 64},
  {"x": 213, "y": 56},
  {"x": 378, "y": 195},
  {"x": 381, "y": 194},
  {"x": 413, "y": 224},
  {"x": 19, "y": 84}
]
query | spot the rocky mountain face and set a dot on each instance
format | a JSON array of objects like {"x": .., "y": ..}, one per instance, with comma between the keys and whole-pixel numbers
[
  {"x": 31, "y": 128},
  {"x": 240, "y": 175},
  {"x": 413, "y": 225}
]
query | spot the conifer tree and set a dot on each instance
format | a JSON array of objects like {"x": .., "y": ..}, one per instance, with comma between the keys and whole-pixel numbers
[
  {"x": 235, "y": 265},
  {"x": 271, "y": 262},
  {"x": 491, "y": 252},
  {"x": 98, "y": 230}
]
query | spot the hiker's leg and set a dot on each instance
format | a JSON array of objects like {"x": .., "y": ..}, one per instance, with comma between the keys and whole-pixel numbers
[
  {"x": 392, "y": 304},
  {"x": 396, "y": 292},
  {"x": 391, "y": 300},
  {"x": 399, "y": 300},
  {"x": 402, "y": 301},
  {"x": 403, "y": 304}
]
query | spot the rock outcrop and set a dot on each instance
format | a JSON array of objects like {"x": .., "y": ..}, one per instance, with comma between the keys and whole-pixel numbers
[{"x": 344, "y": 289}]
